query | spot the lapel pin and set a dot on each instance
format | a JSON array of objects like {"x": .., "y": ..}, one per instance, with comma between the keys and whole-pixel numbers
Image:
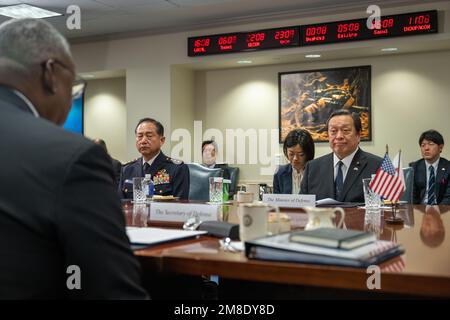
[
  {"x": 443, "y": 169},
  {"x": 355, "y": 168}
]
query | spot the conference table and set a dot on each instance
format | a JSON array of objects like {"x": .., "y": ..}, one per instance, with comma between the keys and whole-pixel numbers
[{"x": 422, "y": 271}]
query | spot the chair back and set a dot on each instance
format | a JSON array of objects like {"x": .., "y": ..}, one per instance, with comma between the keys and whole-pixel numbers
[
  {"x": 407, "y": 196},
  {"x": 199, "y": 181},
  {"x": 234, "y": 177}
]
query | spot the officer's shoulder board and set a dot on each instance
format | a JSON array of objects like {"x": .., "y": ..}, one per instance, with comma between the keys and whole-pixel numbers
[
  {"x": 130, "y": 162},
  {"x": 174, "y": 161}
]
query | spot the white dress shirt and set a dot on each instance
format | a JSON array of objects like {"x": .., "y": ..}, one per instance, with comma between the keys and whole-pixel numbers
[
  {"x": 297, "y": 177},
  {"x": 151, "y": 160},
  {"x": 427, "y": 170},
  {"x": 347, "y": 161}
]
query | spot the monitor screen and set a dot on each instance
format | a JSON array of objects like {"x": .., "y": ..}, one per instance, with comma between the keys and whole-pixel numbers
[{"x": 74, "y": 120}]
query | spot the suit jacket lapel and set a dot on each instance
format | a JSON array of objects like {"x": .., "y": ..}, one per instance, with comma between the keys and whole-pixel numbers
[
  {"x": 421, "y": 179},
  {"x": 440, "y": 175},
  {"x": 353, "y": 173},
  {"x": 287, "y": 180},
  {"x": 328, "y": 171},
  {"x": 139, "y": 167}
]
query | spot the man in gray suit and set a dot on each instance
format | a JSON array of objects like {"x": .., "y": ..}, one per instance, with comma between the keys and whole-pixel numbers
[
  {"x": 62, "y": 230},
  {"x": 339, "y": 175}
]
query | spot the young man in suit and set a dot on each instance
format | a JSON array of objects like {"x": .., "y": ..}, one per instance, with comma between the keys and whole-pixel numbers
[
  {"x": 170, "y": 176},
  {"x": 62, "y": 229},
  {"x": 339, "y": 175},
  {"x": 431, "y": 173}
]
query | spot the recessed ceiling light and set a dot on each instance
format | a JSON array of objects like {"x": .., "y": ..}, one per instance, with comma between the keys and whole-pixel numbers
[
  {"x": 389, "y": 49},
  {"x": 245, "y": 61},
  {"x": 26, "y": 11},
  {"x": 312, "y": 56}
]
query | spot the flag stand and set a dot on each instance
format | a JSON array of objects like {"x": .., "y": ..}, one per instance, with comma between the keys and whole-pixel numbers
[
  {"x": 394, "y": 219},
  {"x": 394, "y": 205}
]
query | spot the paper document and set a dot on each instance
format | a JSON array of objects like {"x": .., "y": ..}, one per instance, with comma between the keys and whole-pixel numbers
[
  {"x": 329, "y": 202},
  {"x": 158, "y": 235}
]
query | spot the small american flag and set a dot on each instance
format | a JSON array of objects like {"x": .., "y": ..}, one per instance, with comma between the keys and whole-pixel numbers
[{"x": 388, "y": 183}]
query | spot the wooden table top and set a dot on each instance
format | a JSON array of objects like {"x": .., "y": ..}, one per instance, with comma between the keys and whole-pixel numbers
[{"x": 423, "y": 270}]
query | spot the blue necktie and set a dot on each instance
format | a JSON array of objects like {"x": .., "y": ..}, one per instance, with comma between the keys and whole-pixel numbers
[
  {"x": 339, "y": 182},
  {"x": 431, "y": 187}
]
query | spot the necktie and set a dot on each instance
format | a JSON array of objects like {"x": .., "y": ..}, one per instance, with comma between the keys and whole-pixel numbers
[
  {"x": 431, "y": 187},
  {"x": 339, "y": 182},
  {"x": 146, "y": 168}
]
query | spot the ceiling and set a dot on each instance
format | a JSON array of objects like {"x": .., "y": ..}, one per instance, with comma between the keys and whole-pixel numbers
[
  {"x": 106, "y": 19},
  {"x": 115, "y": 19}
]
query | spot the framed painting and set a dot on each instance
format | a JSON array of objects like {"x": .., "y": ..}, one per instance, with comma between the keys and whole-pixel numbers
[{"x": 307, "y": 99}]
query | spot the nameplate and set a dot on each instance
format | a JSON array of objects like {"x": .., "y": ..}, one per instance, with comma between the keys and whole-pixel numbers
[
  {"x": 180, "y": 212},
  {"x": 290, "y": 200}
]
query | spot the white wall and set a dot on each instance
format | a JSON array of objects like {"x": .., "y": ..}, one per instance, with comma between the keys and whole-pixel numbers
[
  {"x": 182, "y": 113},
  {"x": 410, "y": 94},
  {"x": 105, "y": 114},
  {"x": 402, "y": 85}
]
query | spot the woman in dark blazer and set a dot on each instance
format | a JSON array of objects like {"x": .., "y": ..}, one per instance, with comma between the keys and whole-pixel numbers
[{"x": 298, "y": 148}]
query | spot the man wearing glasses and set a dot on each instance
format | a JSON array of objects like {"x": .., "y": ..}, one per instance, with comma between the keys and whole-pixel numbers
[
  {"x": 432, "y": 172},
  {"x": 339, "y": 175},
  {"x": 62, "y": 230}
]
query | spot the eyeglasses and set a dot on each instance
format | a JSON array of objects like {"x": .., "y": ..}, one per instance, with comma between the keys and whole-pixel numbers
[
  {"x": 78, "y": 87},
  {"x": 79, "y": 84}
]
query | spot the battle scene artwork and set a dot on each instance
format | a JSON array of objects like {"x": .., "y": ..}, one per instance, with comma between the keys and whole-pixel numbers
[{"x": 307, "y": 98}]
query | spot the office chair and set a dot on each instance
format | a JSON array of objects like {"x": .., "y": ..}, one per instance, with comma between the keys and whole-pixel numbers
[
  {"x": 199, "y": 181},
  {"x": 234, "y": 177},
  {"x": 407, "y": 196},
  {"x": 231, "y": 173}
]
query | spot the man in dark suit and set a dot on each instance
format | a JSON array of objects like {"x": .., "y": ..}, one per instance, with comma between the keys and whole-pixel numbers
[
  {"x": 431, "y": 173},
  {"x": 62, "y": 230},
  {"x": 339, "y": 175},
  {"x": 170, "y": 176}
]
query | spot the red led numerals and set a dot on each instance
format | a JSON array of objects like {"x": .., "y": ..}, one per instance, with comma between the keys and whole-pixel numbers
[
  {"x": 422, "y": 19},
  {"x": 202, "y": 42},
  {"x": 348, "y": 27}
]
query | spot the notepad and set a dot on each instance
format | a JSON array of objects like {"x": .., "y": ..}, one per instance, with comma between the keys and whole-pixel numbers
[{"x": 333, "y": 238}]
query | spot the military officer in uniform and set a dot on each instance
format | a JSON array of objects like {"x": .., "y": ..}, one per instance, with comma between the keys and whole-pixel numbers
[{"x": 170, "y": 176}]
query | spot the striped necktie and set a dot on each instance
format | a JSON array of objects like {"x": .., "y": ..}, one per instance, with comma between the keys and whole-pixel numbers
[
  {"x": 339, "y": 182},
  {"x": 431, "y": 187}
]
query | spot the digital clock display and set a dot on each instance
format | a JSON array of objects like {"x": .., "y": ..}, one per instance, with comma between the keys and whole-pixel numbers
[
  {"x": 322, "y": 33},
  {"x": 244, "y": 41},
  {"x": 354, "y": 30}
]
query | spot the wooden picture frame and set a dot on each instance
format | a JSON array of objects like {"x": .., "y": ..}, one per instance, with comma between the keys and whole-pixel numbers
[{"x": 307, "y": 98}]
